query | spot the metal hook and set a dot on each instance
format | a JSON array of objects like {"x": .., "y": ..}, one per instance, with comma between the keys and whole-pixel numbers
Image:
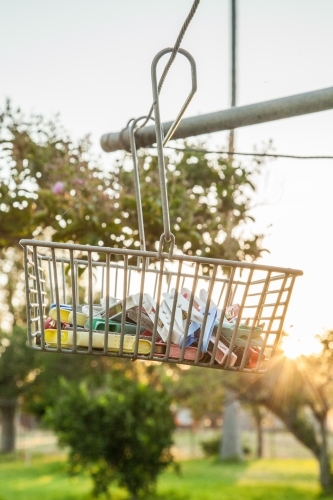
[
  {"x": 172, "y": 245},
  {"x": 159, "y": 132}
]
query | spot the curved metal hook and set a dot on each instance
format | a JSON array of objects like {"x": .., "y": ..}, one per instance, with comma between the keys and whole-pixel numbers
[
  {"x": 172, "y": 245},
  {"x": 159, "y": 132}
]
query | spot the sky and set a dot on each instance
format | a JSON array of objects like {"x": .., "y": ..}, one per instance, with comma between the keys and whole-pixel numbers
[{"x": 89, "y": 61}]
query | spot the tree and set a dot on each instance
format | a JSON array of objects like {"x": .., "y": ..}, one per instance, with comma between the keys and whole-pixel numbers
[
  {"x": 17, "y": 365},
  {"x": 121, "y": 430},
  {"x": 43, "y": 393},
  {"x": 43, "y": 175},
  {"x": 293, "y": 391},
  {"x": 17, "y": 372},
  {"x": 209, "y": 200},
  {"x": 39, "y": 166},
  {"x": 184, "y": 388},
  {"x": 230, "y": 446},
  {"x": 52, "y": 188}
]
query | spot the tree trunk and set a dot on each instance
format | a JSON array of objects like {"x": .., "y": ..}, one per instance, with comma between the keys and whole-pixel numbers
[
  {"x": 258, "y": 423},
  {"x": 231, "y": 446},
  {"x": 8, "y": 410},
  {"x": 306, "y": 434},
  {"x": 325, "y": 474},
  {"x": 286, "y": 395}
]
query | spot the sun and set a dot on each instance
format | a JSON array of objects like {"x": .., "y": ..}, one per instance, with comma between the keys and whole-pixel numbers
[
  {"x": 296, "y": 345},
  {"x": 292, "y": 347}
]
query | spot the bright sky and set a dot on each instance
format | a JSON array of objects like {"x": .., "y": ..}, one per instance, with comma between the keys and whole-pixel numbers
[{"x": 89, "y": 60}]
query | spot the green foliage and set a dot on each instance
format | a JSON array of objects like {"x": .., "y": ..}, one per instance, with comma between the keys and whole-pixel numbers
[
  {"x": 17, "y": 364},
  {"x": 120, "y": 431},
  {"x": 44, "y": 174},
  {"x": 51, "y": 186},
  {"x": 12, "y": 296},
  {"x": 211, "y": 447},
  {"x": 51, "y": 367},
  {"x": 321, "y": 367},
  {"x": 184, "y": 388},
  {"x": 287, "y": 392},
  {"x": 209, "y": 201},
  {"x": 17, "y": 373}
]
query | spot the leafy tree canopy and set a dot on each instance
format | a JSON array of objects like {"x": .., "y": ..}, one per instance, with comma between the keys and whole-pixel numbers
[
  {"x": 209, "y": 202},
  {"x": 44, "y": 175},
  {"x": 17, "y": 367},
  {"x": 53, "y": 188}
]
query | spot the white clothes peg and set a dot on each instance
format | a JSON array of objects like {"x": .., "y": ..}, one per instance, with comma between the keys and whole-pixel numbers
[
  {"x": 197, "y": 302},
  {"x": 163, "y": 321},
  {"x": 185, "y": 306}
]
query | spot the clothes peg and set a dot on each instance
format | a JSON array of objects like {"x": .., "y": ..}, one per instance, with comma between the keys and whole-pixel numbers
[
  {"x": 96, "y": 310},
  {"x": 197, "y": 302},
  {"x": 163, "y": 320},
  {"x": 166, "y": 311},
  {"x": 145, "y": 320},
  {"x": 80, "y": 318},
  {"x": 222, "y": 352},
  {"x": 210, "y": 323},
  {"x": 203, "y": 294},
  {"x": 232, "y": 312},
  {"x": 243, "y": 332},
  {"x": 195, "y": 330},
  {"x": 64, "y": 310},
  {"x": 195, "y": 315},
  {"x": 115, "y": 307},
  {"x": 179, "y": 319},
  {"x": 175, "y": 352}
]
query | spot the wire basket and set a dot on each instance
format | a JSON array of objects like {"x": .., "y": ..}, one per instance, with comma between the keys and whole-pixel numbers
[
  {"x": 155, "y": 306},
  {"x": 192, "y": 310}
]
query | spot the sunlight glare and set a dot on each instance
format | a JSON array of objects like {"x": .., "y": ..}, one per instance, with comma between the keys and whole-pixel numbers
[{"x": 296, "y": 345}]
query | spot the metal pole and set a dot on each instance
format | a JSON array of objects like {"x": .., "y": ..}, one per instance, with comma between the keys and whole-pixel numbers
[
  {"x": 233, "y": 70},
  {"x": 252, "y": 114}
]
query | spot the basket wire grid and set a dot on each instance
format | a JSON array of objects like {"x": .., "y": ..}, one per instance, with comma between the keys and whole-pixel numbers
[
  {"x": 77, "y": 275},
  {"x": 155, "y": 306}
]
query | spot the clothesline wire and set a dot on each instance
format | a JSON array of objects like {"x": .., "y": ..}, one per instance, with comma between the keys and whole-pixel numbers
[
  {"x": 173, "y": 54},
  {"x": 254, "y": 153}
]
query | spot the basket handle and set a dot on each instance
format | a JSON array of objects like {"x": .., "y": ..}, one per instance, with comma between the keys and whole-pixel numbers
[
  {"x": 167, "y": 235},
  {"x": 132, "y": 129}
]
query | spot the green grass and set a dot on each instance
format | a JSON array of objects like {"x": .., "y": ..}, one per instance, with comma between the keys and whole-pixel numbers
[
  {"x": 45, "y": 478},
  {"x": 255, "y": 480}
]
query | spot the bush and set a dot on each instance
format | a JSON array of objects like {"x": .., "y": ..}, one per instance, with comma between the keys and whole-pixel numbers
[
  {"x": 119, "y": 432},
  {"x": 211, "y": 447}
]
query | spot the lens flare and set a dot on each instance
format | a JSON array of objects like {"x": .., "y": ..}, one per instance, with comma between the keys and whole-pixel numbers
[{"x": 295, "y": 345}]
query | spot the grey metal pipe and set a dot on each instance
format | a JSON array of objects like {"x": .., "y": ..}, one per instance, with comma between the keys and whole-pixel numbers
[{"x": 242, "y": 116}]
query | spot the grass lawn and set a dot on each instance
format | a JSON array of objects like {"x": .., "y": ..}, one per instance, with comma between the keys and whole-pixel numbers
[
  {"x": 288, "y": 479},
  {"x": 279, "y": 479}
]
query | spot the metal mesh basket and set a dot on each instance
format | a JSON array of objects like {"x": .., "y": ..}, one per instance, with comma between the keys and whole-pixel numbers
[
  {"x": 254, "y": 298},
  {"x": 155, "y": 306}
]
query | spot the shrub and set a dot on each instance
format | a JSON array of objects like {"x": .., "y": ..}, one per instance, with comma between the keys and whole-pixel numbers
[
  {"x": 211, "y": 447},
  {"x": 119, "y": 432}
]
